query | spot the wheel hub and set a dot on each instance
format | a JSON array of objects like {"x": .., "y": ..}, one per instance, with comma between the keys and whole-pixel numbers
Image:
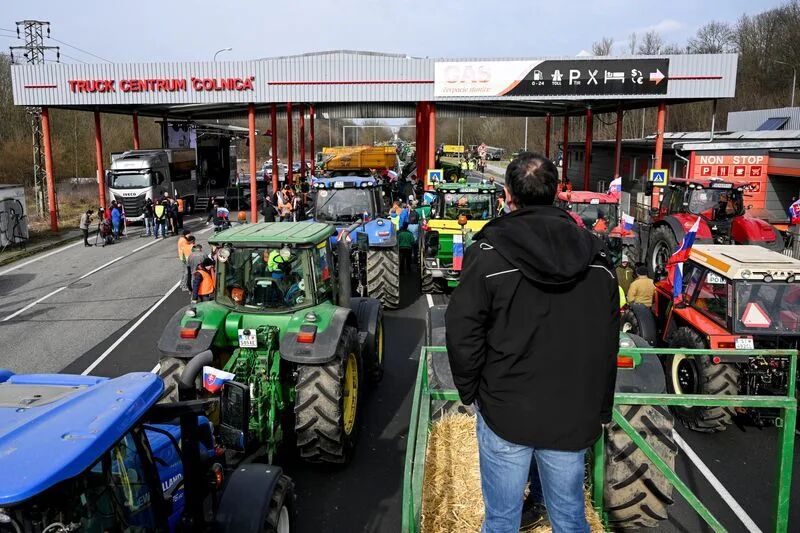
[
  {"x": 350, "y": 394},
  {"x": 684, "y": 375}
]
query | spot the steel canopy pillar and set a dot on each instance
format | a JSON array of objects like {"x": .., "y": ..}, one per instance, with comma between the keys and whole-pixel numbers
[
  {"x": 565, "y": 150},
  {"x": 587, "y": 148},
  {"x": 273, "y": 124},
  {"x": 289, "y": 145},
  {"x": 98, "y": 152},
  {"x": 48, "y": 168},
  {"x": 312, "y": 148},
  {"x": 251, "y": 136},
  {"x": 302, "y": 141},
  {"x": 661, "y": 119},
  {"x": 547, "y": 125},
  {"x": 618, "y": 143},
  {"x": 135, "y": 130},
  {"x": 422, "y": 142},
  {"x": 431, "y": 146}
]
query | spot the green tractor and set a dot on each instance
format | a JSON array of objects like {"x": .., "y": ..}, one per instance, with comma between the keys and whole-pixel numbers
[
  {"x": 456, "y": 213},
  {"x": 284, "y": 324}
]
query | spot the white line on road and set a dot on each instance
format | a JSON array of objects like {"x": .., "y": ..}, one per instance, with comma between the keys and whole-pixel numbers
[
  {"x": 43, "y": 298},
  {"x": 26, "y": 263},
  {"x": 156, "y": 369},
  {"x": 718, "y": 486},
  {"x": 130, "y": 330},
  {"x": 430, "y": 300},
  {"x": 101, "y": 267}
]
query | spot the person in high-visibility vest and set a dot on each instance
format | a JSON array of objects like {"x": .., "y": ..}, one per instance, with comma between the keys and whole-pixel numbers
[
  {"x": 203, "y": 282},
  {"x": 185, "y": 243},
  {"x": 160, "y": 214}
]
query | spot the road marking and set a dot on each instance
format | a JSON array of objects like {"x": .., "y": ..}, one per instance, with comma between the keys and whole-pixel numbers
[
  {"x": 204, "y": 230},
  {"x": 718, "y": 486},
  {"x": 43, "y": 298},
  {"x": 48, "y": 254},
  {"x": 430, "y": 300},
  {"x": 156, "y": 369},
  {"x": 101, "y": 267},
  {"x": 130, "y": 330}
]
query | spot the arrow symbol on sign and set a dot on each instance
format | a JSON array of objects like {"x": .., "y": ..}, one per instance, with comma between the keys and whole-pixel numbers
[{"x": 657, "y": 76}]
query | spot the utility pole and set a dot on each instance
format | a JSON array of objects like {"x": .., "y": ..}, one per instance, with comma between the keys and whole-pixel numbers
[
  {"x": 526, "y": 134},
  {"x": 34, "y": 53}
]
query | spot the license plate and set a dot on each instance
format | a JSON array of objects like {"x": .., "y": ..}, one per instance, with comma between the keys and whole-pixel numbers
[
  {"x": 247, "y": 338},
  {"x": 744, "y": 344}
]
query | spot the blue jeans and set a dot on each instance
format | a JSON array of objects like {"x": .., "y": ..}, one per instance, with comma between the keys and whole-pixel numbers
[
  {"x": 505, "y": 469},
  {"x": 161, "y": 225},
  {"x": 149, "y": 224}
]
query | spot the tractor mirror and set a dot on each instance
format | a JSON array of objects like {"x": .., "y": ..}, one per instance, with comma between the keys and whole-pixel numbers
[
  {"x": 234, "y": 416},
  {"x": 363, "y": 242}
]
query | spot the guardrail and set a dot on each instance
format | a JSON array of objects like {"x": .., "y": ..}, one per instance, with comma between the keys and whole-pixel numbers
[{"x": 421, "y": 418}]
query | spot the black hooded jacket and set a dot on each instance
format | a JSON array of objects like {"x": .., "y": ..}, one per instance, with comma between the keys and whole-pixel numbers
[{"x": 532, "y": 329}]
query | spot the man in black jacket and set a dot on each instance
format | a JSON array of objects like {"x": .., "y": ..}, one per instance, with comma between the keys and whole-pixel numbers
[{"x": 532, "y": 336}]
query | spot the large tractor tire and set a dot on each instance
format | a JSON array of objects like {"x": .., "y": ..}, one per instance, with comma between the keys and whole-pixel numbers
[
  {"x": 370, "y": 324},
  {"x": 662, "y": 245},
  {"x": 327, "y": 404},
  {"x": 637, "y": 494},
  {"x": 699, "y": 375},
  {"x": 280, "y": 517},
  {"x": 428, "y": 285},
  {"x": 638, "y": 319},
  {"x": 383, "y": 276},
  {"x": 170, "y": 369}
]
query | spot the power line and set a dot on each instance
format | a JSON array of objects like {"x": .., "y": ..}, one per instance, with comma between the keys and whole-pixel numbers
[
  {"x": 81, "y": 50},
  {"x": 73, "y": 58}
]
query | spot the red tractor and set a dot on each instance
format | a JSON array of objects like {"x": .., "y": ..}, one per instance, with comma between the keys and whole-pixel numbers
[
  {"x": 600, "y": 213},
  {"x": 721, "y": 207}
]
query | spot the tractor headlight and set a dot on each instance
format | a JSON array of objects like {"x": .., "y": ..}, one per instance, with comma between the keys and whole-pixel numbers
[{"x": 626, "y": 342}]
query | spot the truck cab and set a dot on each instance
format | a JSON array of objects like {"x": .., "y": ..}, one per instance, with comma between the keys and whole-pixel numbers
[{"x": 138, "y": 175}]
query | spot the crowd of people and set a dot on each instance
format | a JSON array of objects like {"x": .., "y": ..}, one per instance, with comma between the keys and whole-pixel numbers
[{"x": 162, "y": 216}]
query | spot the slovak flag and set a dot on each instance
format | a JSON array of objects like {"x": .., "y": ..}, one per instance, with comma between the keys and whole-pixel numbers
[
  {"x": 628, "y": 222},
  {"x": 214, "y": 378},
  {"x": 794, "y": 212},
  {"x": 615, "y": 187},
  {"x": 675, "y": 263},
  {"x": 458, "y": 251}
]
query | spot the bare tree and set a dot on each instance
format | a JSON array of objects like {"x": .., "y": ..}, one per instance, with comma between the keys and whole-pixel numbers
[
  {"x": 632, "y": 41},
  {"x": 713, "y": 38},
  {"x": 672, "y": 49},
  {"x": 603, "y": 47},
  {"x": 651, "y": 44}
]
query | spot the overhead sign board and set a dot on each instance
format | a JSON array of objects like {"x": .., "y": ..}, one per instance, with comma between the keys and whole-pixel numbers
[
  {"x": 659, "y": 177},
  {"x": 744, "y": 167},
  {"x": 453, "y": 149},
  {"x": 552, "y": 77}
]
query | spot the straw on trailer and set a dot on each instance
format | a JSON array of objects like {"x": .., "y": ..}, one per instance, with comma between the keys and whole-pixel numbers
[{"x": 451, "y": 496}]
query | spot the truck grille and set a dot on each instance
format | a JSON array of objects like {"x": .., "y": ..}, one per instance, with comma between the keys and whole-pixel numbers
[{"x": 134, "y": 207}]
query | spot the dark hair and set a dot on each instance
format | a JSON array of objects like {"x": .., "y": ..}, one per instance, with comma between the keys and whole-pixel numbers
[
  {"x": 208, "y": 262},
  {"x": 186, "y": 232},
  {"x": 532, "y": 180},
  {"x": 191, "y": 238},
  {"x": 641, "y": 270},
  {"x": 89, "y": 211}
]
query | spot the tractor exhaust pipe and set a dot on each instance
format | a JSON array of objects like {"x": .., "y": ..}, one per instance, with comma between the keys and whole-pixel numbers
[
  {"x": 343, "y": 251},
  {"x": 186, "y": 388}
]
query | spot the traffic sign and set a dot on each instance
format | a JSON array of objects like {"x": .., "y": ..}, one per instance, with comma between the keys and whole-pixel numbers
[
  {"x": 435, "y": 175},
  {"x": 754, "y": 316},
  {"x": 659, "y": 177},
  {"x": 453, "y": 149}
]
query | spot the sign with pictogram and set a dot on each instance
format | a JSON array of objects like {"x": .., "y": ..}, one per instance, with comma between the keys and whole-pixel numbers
[
  {"x": 435, "y": 175},
  {"x": 659, "y": 177},
  {"x": 752, "y": 168},
  {"x": 754, "y": 316}
]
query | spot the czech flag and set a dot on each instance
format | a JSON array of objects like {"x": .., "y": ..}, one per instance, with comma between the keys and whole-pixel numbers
[
  {"x": 675, "y": 263},
  {"x": 615, "y": 187},
  {"x": 627, "y": 222},
  {"x": 214, "y": 379},
  {"x": 458, "y": 251}
]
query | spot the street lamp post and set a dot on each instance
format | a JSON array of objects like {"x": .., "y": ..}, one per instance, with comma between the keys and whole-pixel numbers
[
  {"x": 794, "y": 77},
  {"x": 220, "y": 51}
]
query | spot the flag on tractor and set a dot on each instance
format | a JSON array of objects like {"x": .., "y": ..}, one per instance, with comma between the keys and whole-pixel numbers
[
  {"x": 627, "y": 222},
  {"x": 458, "y": 251},
  {"x": 615, "y": 187},
  {"x": 214, "y": 378},
  {"x": 675, "y": 263}
]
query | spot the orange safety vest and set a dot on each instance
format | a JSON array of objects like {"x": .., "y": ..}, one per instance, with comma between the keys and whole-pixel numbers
[
  {"x": 600, "y": 226},
  {"x": 184, "y": 248},
  {"x": 180, "y": 205},
  {"x": 206, "y": 284}
]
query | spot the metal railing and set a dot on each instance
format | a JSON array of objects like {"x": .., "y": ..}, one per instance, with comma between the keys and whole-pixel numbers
[{"x": 419, "y": 426}]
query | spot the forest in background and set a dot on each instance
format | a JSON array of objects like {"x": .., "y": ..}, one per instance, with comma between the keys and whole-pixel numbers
[{"x": 767, "y": 44}]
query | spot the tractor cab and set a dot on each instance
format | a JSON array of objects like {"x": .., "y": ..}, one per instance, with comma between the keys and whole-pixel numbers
[
  {"x": 342, "y": 200},
  {"x": 717, "y": 201},
  {"x": 596, "y": 211}
]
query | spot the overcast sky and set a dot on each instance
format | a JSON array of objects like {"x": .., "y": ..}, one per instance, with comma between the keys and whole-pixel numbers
[{"x": 167, "y": 30}]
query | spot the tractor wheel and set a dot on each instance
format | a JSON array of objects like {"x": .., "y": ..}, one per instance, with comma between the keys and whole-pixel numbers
[
  {"x": 637, "y": 494},
  {"x": 326, "y": 405},
  {"x": 170, "y": 369},
  {"x": 280, "y": 517},
  {"x": 698, "y": 375},
  {"x": 375, "y": 372},
  {"x": 383, "y": 276},
  {"x": 429, "y": 285},
  {"x": 632, "y": 252},
  {"x": 639, "y": 320},
  {"x": 662, "y": 245}
]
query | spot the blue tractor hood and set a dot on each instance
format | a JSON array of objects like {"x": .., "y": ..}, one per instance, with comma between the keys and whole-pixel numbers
[{"x": 55, "y": 426}]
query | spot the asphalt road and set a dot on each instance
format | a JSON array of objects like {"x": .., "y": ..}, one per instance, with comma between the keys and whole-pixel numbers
[{"x": 102, "y": 293}]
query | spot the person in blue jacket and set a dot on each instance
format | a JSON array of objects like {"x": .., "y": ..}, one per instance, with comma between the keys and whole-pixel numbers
[{"x": 116, "y": 218}]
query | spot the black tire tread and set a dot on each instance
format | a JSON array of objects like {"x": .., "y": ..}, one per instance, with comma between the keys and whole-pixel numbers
[
  {"x": 383, "y": 276},
  {"x": 319, "y": 423},
  {"x": 661, "y": 233},
  {"x": 170, "y": 369},
  {"x": 282, "y": 496},
  {"x": 636, "y": 493},
  {"x": 428, "y": 285}
]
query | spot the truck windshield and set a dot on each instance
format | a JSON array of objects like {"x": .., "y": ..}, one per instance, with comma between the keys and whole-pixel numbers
[
  {"x": 767, "y": 308},
  {"x": 592, "y": 213},
  {"x": 262, "y": 279},
  {"x": 131, "y": 180},
  {"x": 476, "y": 206},
  {"x": 343, "y": 205},
  {"x": 715, "y": 204}
]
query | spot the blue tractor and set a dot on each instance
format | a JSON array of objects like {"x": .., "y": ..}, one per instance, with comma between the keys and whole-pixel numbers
[
  {"x": 345, "y": 201},
  {"x": 93, "y": 454}
]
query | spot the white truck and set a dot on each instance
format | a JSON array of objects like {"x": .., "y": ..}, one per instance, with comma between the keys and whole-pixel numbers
[{"x": 136, "y": 175}]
